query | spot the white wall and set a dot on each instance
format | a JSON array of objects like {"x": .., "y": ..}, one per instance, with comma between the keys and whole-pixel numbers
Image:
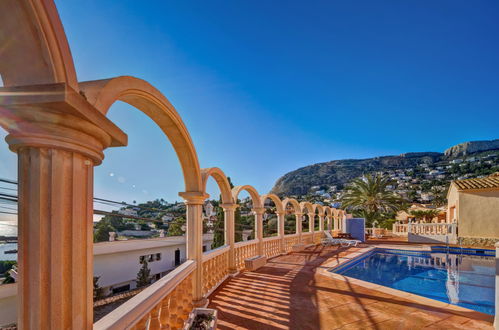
[{"x": 8, "y": 303}]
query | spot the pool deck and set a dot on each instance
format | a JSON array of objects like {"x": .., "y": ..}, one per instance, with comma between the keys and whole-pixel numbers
[{"x": 293, "y": 292}]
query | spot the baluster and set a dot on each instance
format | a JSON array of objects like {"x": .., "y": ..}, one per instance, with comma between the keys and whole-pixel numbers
[
  {"x": 154, "y": 323},
  {"x": 164, "y": 314}
]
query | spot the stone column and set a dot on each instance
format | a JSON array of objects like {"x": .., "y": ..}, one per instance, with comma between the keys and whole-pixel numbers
[
  {"x": 321, "y": 223},
  {"x": 298, "y": 225},
  {"x": 259, "y": 227},
  {"x": 280, "y": 229},
  {"x": 194, "y": 243},
  {"x": 229, "y": 217},
  {"x": 57, "y": 147},
  {"x": 311, "y": 224}
]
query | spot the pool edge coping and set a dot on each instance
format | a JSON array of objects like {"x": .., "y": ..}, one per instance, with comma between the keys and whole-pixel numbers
[{"x": 339, "y": 261}]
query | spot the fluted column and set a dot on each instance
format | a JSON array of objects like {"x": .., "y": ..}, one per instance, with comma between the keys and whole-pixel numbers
[
  {"x": 57, "y": 150},
  {"x": 281, "y": 218},
  {"x": 298, "y": 225},
  {"x": 194, "y": 243},
  {"x": 229, "y": 213},
  {"x": 259, "y": 227}
]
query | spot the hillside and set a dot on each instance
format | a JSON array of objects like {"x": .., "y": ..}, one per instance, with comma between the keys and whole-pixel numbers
[{"x": 413, "y": 173}]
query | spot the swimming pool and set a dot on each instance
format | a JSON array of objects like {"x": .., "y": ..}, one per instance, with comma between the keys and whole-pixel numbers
[{"x": 463, "y": 279}]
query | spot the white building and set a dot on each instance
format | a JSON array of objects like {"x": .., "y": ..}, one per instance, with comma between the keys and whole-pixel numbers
[{"x": 117, "y": 264}]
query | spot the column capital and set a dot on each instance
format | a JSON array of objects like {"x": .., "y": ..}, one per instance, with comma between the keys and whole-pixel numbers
[
  {"x": 194, "y": 197},
  {"x": 55, "y": 116},
  {"x": 229, "y": 206},
  {"x": 311, "y": 214},
  {"x": 258, "y": 210},
  {"x": 280, "y": 213},
  {"x": 298, "y": 214}
]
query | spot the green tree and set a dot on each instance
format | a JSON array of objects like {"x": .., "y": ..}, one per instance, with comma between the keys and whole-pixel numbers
[
  {"x": 144, "y": 275},
  {"x": 218, "y": 229},
  {"x": 102, "y": 230},
  {"x": 175, "y": 227},
  {"x": 98, "y": 292},
  {"x": 369, "y": 197}
]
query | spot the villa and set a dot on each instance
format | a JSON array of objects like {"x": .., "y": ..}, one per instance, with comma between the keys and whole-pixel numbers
[
  {"x": 59, "y": 128},
  {"x": 473, "y": 204}
]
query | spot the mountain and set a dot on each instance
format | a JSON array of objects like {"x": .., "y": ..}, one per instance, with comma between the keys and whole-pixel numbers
[
  {"x": 414, "y": 167},
  {"x": 467, "y": 148}
]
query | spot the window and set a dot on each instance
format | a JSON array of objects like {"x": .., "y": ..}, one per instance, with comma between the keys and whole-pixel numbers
[
  {"x": 122, "y": 288},
  {"x": 158, "y": 256}
]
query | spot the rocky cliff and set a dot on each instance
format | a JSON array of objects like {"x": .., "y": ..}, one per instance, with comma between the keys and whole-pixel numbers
[
  {"x": 466, "y": 148},
  {"x": 341, "y": 172}
]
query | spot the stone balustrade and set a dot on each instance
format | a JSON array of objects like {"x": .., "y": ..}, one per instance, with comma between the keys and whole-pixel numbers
[
  {"x": 289, "y": 241},
  {"x": 245, "y": 250},
  {"x": 271, "y": 246},
  {"x": 164, "y": 304},
  {"x": 215, "y": 269}
]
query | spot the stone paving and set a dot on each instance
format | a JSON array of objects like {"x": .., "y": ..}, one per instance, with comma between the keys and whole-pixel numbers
[{"x": 290, "y": 293}]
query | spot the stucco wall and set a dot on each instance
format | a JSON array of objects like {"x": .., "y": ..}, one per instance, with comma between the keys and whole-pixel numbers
[
  {"x": 8, "y": 304},
  {"x": 478, "y": 214}
]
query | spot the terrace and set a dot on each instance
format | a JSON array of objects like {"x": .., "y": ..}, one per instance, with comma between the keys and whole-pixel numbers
[{"x": 59, "y": 128}]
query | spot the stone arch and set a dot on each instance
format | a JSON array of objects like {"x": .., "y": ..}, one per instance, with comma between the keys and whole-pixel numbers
[
  {"x": 328, "y": 211},
  {"x": 255, "y": 197},
  {"x": 277, "y": 201},
  {"x": 309, "y": 207},
  {"x": 319, "y": 208},
  {"x": 292, "y": 201},
  {"x": 142, "y": 95},
  {"x": 291, "y": 226},
  {"x": 221, "y": 179},
  {"x": 35, "y": 49}
]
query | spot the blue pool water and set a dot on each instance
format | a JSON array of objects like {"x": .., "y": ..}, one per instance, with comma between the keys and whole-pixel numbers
[{"x": 465, "y": 280}]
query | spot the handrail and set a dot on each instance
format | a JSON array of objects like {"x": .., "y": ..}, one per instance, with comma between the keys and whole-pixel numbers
[
  {"x": 271, "y": 238},
  {"x": 215, "y": 252},
  {"x": 137, "y": 307},
  {"x": 244, "y": 243}
]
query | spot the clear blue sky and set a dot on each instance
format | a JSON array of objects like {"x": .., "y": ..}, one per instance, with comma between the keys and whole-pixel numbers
[{"x": 265, "y": 87}]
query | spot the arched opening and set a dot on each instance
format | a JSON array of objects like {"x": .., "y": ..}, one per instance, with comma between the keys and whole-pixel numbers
[
  {"x": 291, "y": 208},
  {"x": 218, "y": 187},
  {"x": 136, "y": 198},
  {"x": 270, "y": 221},
  {"x": 247, "y": 198},
  {"x": 308, "y": 212}
]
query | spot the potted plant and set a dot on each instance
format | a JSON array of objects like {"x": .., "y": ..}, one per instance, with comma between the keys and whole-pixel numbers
[{"x": 202, "y": 319}]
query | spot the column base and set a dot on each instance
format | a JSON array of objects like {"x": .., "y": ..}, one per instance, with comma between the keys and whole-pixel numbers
[{"x": 233, "y": 272}]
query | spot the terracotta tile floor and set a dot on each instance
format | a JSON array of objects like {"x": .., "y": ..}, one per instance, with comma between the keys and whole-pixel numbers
[{"x": 288, "y": 294}]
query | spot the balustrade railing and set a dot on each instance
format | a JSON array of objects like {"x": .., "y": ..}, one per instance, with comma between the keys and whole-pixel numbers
[
  {"x": 272, "y": 246},
  {"x": 426, "y": 229},
  {"x": 164, "y": 304},
  {"x": 215, "y": 268},
  {"x": 168, "y": 302},
  {"x": 307, "y": 238},
  {"x": 245, "y": 250},
  {"x": 289, "y": 241}
]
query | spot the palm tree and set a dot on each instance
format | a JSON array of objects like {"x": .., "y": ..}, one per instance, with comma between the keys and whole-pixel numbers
[{"x": 369, "y": 197}]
